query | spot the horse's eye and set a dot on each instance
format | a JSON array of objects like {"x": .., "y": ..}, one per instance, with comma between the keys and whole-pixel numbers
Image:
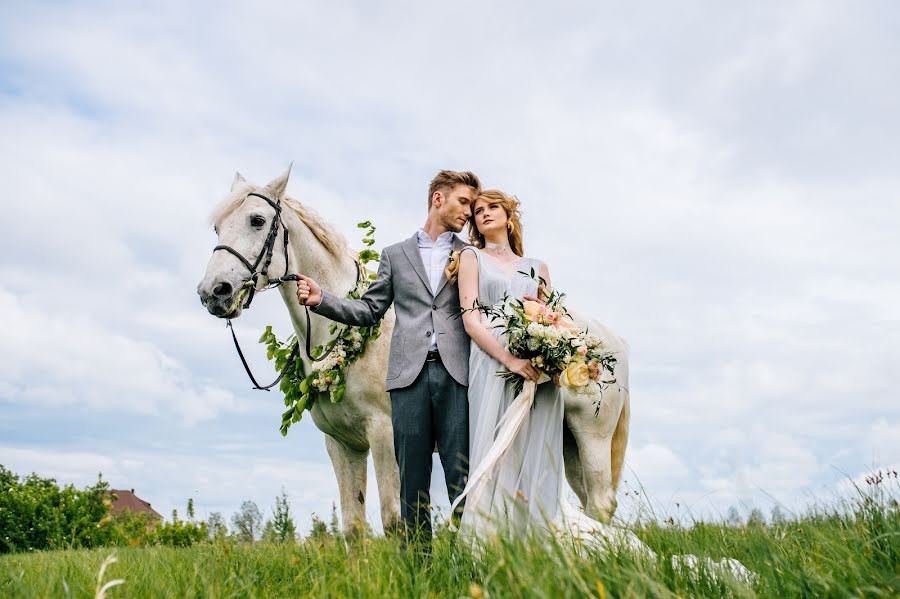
[
  {"x": 215, "y": 229},
  {"x": 257, "y": 221}
]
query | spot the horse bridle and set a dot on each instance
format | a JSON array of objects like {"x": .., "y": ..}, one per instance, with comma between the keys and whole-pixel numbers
[{"x": 265, "y": 257}]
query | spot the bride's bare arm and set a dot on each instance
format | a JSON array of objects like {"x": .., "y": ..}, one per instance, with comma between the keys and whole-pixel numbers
[
  {"x": 545, "y": 288},
  {"x": 468, "y": 296}
]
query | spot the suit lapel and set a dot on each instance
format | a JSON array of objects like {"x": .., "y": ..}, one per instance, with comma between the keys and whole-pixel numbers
[
  {"x": 458, "y": 244},
  {"x": 411, "y": 249}
]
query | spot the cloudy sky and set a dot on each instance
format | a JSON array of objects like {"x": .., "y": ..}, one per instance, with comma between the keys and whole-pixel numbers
[{"x": 716, "y": 181}]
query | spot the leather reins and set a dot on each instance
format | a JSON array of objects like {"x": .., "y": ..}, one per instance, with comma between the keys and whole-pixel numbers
[{"x": 265, "y": 257}]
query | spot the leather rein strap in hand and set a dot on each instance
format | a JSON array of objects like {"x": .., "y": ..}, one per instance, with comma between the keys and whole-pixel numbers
[{"x": 294, "y": 350}]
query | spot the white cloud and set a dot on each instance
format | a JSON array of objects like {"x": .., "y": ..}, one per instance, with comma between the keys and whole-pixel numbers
[
  {"x": 883, "y": 442},
  {"x": 54, "y": 360},
  {"x": 655, "y": 465},
  {"x": 717, "y": 184}
]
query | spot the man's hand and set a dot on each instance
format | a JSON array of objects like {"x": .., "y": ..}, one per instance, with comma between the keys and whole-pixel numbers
[{"x": 308, "y": 291}]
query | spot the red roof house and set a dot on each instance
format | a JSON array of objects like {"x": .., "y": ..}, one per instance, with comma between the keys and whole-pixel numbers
[{"x": 123, "y": 499}]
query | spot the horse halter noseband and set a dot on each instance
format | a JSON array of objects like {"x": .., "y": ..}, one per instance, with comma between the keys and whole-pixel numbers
[{"x": 265, "y": 254}]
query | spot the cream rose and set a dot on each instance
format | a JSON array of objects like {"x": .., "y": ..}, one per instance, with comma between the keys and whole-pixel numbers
[
  {"x": 576, "y": 374},
  {"x": 532, "y": 309}
]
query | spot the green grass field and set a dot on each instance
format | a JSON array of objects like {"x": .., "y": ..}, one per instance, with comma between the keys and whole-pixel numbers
[{"x": 853, "y": 551}]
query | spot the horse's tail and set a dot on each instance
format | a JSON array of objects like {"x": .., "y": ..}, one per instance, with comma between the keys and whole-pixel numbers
[
  {"x": 620, "y": 442},
  {"x": 620, "y": 436}
]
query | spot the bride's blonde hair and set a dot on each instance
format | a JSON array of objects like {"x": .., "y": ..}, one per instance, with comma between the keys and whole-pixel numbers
[{"x": 510, "y": 205}]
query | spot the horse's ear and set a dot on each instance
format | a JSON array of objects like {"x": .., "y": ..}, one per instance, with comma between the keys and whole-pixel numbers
[
  {"x": 277, "y": 186},
  {"x": 238, "y": 181}
]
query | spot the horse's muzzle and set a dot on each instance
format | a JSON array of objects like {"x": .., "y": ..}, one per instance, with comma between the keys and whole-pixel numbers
[{"x": 221, "y": 299}]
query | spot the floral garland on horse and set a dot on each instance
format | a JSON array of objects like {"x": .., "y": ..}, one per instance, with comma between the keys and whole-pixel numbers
[{"x": 328, "y": 379}]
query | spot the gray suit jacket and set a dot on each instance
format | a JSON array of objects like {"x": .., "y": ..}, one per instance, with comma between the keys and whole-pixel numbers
[{"x": 403, "y": 281}]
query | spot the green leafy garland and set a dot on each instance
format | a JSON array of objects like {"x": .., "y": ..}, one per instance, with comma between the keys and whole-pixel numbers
[{"x": 301, "y": 389}]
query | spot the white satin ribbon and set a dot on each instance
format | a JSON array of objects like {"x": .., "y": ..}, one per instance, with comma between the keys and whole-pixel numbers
[{"x": 505, "y": 433}]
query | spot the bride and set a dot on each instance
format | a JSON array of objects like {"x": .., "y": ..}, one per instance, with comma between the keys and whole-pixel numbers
[
  {"x": 516, "y": 453},
  {"x": 523, "y": 488}
]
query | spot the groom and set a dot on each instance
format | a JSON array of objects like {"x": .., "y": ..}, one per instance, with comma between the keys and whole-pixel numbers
[{"x": 428, "y": 368}]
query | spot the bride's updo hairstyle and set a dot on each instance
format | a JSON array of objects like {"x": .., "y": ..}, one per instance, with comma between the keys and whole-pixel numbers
[{"x": 510, "y": 205}]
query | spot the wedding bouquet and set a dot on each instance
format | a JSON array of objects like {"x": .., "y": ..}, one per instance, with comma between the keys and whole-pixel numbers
[{"x": 545, "y": 334}]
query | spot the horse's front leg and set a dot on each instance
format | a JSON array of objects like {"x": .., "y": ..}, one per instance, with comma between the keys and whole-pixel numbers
[
  {"x": 350, "y": 469},
  {"x": 387, "y": 473}
]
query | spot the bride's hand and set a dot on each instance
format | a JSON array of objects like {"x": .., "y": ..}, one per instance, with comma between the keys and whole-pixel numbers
[{"x": 524, "y": 368}]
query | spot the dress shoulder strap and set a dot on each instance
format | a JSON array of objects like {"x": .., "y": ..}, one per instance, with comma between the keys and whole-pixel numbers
[{"x": 472, "y": 248}]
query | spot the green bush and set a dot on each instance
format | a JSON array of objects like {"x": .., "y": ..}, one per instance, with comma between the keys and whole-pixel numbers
[
  {"x": 36, "y": 514},
  {"x": 181, "y": 533}
]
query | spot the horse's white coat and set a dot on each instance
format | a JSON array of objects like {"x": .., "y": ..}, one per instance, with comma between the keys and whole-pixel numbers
[{"x": 361, "y": 423}]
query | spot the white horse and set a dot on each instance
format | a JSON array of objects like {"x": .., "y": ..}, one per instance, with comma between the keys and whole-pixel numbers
[{"x": 594, "y": 445}]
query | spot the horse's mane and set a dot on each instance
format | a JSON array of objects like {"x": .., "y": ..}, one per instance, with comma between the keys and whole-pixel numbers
[{"x": 327, "y": 235}]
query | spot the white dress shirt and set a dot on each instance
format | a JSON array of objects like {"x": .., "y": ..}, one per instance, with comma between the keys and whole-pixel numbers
[{"x": 435, "y": 254}]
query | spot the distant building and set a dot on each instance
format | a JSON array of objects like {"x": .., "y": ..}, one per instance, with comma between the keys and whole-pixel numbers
[{"x": 123, "y": 499}]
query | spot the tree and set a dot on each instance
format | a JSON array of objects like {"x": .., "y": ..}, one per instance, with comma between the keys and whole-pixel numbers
[
  {"x": 181, "y": 533},
  {"x": 335, "y": 527},
  {"x": 778, "y": 516},
  {"x": 190, "y": 509},
  {"x": 268, "y": 533},
  {"x": 734, "y": 517},
  {"x": 216, "y": 525},
  {"x": 282, "y": 522},
  {"x": 35, "y": 513},
  {"x": 319, "y": 528},
  {"x": 247, "y": 522},
  {"x": 756, "y": 518}
]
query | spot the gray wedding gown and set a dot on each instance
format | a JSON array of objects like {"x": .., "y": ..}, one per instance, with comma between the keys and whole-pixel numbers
[{"x": 524, "y": 488}]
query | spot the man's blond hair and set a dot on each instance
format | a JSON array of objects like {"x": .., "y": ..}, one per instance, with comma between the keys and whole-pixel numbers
[{"x": 447, "y": 180}]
